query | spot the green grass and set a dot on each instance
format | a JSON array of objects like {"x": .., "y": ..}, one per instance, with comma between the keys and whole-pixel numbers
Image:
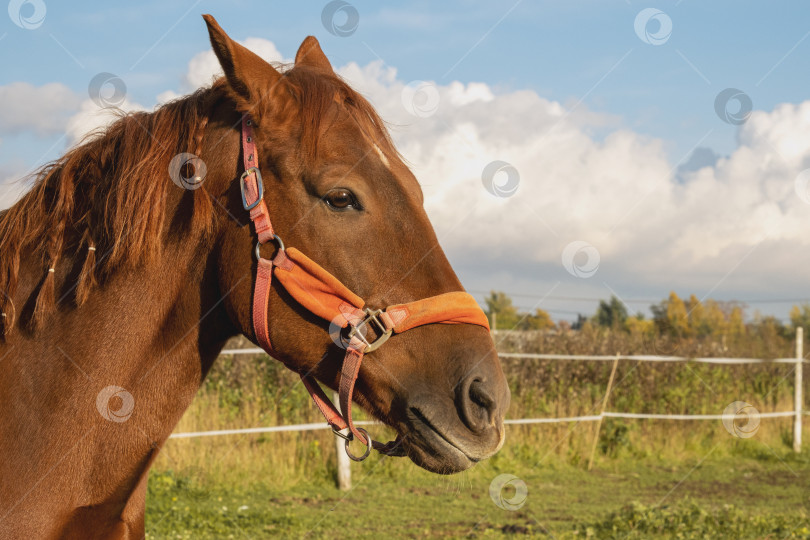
[
  {"x": 737, "y": 489},
  {"x": 652, "y": 479}
]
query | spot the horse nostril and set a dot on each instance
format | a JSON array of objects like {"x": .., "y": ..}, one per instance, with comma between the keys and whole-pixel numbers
[
  {"x": 476, "y": 405},
  {"x": 480, "y": 397}
]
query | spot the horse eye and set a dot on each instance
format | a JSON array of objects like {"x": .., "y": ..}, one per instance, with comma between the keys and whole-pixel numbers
[{"x": 341, "y": 199}]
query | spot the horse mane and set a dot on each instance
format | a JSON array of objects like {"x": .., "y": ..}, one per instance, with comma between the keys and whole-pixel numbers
[{"x": 105, "y": 198}]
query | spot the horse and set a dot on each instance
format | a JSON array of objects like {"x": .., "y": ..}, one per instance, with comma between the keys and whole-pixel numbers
[{"x": 134, "y": 258}]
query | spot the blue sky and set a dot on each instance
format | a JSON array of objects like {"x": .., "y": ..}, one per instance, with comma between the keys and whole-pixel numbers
[
  {"x": 585, "y": 55},
  {"x": 559, "y": 49}
]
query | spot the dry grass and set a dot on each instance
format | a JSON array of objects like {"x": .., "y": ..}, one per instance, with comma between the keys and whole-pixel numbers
[{"x": 256, "y": 391}]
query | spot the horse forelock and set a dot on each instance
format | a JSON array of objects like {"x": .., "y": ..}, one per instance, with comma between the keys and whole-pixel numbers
[{"x": 317, "y": 91}]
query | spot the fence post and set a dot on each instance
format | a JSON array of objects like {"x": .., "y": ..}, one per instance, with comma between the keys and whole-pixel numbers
[
  {"x": 344, "y": 470},
  {"x": 798, "y": 402},
  {"x": 494, "y": 325},
  {"x": 602, "y": 412}
]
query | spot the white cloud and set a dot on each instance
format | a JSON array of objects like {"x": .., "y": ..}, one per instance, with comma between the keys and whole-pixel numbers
[
  {"x": 42, "y": 109},
  {"x": 618, "y": 192},
  {"x": 736, "y": 223},
  {"x": 202, "y": 70},
  {"x": 12, "y": 185},
  {"x": 91, "y": 116},
  {"x": 11, "y": 189},
  {"x": 167, "y": 96},
  {"x": 204, "y": 67}
]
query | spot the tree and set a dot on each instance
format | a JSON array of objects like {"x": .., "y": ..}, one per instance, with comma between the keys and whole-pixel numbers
[
  {"x": 611, "y": 314},
  {"x": 507, "y": 317},
  {"x": 769, "y": 328},
  {"x": 671, "y": 316},
  {"x": 714, "y": 319},
  {"x": 677, "y": 316},
  {"x": 500, "y": 305},
  {"x": 736, "y": 321},
  {"x": 637, "y": 324},
  {"x": 697, "y": 317},
  {"x": 800, "y": 316},
  {"x": 541, "y": 320}
]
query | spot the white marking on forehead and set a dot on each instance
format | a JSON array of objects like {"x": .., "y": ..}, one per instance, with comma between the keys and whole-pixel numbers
[
  {"x": 381, "y": 156},
  {"x": 376, "y": 149}
]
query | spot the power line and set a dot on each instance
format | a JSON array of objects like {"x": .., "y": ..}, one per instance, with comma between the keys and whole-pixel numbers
[
  {"x": 641, "y": 300},
  {"x": 549, "y": 310},
  {"x": 558, "y": 313}
]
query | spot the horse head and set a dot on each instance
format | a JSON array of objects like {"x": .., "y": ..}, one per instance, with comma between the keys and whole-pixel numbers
[{"x": 338, "y": 191}]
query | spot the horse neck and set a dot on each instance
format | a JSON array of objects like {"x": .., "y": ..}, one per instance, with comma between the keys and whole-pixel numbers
[{"x": 89, "y": 397}]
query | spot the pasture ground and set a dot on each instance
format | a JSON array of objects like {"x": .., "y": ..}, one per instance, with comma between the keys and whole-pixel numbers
[
  {"x": 745, "y": 491},
  {"x": 652, "y": 478}
]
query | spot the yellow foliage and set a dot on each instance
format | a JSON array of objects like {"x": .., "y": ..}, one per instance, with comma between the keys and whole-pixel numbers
[
  {"x": 677, "y": 318},
  {"x": 541, "y": 320},
  {"x": 697, "y": 317},
  {"x": 714, "y": 318},
  {"x": 736, "y": 324},
  {"x": 638, "y": 326}
]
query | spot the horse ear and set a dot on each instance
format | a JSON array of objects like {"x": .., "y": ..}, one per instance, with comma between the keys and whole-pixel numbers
[
  {"x": 310, "y": 54},
  {"x": 249, "y": 76}
]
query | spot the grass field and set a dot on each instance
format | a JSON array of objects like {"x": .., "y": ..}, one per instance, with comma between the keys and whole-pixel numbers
[
  {"x": 651, "y": 479},
  {"x": 743, "y": 489}
]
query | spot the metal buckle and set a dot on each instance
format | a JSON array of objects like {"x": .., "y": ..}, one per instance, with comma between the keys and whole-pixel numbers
[
  {"x": 259, "y": 187},
  {"x": 372, "y": 316}
]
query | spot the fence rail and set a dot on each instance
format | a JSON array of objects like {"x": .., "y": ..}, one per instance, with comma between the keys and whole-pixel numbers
[
  {"x": 527, "y": 421},
  {"x": 652, "y": 358},
  {"x": 631, "y": 357},
  {"x": 797, "y": 413},
  {"x": 514, "y": 422},
  {"x": 268, "y": 429}
]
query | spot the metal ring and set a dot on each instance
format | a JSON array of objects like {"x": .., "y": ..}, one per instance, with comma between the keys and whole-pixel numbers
[
  {"x": 368, "y": 449},
  {"x": 276, "y": 238},
  {"x": 279, "y": 242}
]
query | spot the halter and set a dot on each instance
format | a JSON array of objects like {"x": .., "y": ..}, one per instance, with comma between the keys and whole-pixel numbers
[{"x": 325, "y": 296}]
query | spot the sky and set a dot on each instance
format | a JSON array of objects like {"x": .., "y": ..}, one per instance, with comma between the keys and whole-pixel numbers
[{"x": 569, "y": 151}]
